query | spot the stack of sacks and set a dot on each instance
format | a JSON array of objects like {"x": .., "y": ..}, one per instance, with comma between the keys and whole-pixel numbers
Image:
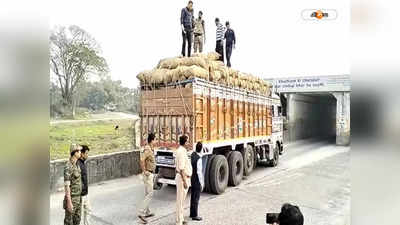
[{"x": 205, "y": 66}]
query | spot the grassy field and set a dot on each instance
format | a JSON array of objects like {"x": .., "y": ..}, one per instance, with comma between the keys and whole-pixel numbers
[{"x": 99, "y": 135}]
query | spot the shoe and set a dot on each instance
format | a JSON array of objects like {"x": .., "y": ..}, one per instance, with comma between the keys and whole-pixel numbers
[
  {"x": 184, "y": 222},
  {"x": 149, "y": 215},
  {"x": 197, "y": 218},
  {"x": 142, "y": 219}
]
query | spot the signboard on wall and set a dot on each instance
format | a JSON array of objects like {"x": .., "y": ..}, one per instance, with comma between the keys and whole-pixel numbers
[{"x": 330, "y": 83}]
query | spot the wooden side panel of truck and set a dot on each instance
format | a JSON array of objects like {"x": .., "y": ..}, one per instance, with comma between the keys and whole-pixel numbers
[{"x": 218, "y": 115}]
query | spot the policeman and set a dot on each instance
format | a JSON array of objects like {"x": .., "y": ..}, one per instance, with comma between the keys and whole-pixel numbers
[
  {"x": 73, "y": 188},
  {"x": 182, "y": 178},
  {"x": 148, "y": 166}
]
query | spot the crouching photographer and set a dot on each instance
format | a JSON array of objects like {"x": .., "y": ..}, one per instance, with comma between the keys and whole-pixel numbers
[{"x": 289, "y": 215}]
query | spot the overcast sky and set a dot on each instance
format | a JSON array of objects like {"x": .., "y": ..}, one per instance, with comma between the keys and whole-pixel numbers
[{"x": 272, "y": 38}]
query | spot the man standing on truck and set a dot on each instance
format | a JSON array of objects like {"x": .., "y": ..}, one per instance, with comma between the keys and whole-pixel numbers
[
  {"x": 197, "y": 182},
  {"x": 187, "y": 27},
  {"x": 219, "y": 47},
  {"x": 199, "y": 33},
  {"x": 230, "y": 42},
  {"x": 73, "y": 187},
  {"x": 148, "y": 166},
  {"x": 182, "y": 178}
]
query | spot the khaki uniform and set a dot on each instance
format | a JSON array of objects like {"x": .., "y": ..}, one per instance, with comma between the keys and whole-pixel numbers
[
  {"x": 182, "y": 163},
  {"x": 147, "y": 156},
  {"x": 72, "y": 177},
  {"x": 198, "y": 35}
]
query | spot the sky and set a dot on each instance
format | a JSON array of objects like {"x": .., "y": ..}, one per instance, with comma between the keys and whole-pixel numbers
[{"x": 273, "y": 40}]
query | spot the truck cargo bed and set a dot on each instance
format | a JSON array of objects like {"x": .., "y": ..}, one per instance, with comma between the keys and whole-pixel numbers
[{"x": 204, "y": 111}]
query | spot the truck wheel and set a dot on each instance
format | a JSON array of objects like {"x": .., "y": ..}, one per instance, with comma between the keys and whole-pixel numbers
[
  {"x": 274, "y": 162},
  {"x": 235, "y": 162},
  {"x": 248, "y": 160},
  {"x": 219, "y": 174},
  {"x": 207, "y": 174}
]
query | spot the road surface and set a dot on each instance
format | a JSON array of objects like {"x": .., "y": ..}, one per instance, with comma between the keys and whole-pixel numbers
[
  {"x": 314, "y": 175},
  {"x": 99, "y": 117}
]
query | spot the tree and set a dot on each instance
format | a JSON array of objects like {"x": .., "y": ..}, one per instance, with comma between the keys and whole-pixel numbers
[
  {"x": 74, "y": 57},
  {"x": 106, "y": 92}
]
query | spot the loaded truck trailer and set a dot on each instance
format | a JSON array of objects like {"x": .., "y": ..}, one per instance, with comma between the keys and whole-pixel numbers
[{"x": 239, "y": 129}]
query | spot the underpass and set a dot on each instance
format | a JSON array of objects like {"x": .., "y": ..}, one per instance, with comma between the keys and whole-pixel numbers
[{"x": 315, "y": 107}]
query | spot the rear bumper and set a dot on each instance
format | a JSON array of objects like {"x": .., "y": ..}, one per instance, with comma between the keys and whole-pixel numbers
[{"x": 166, "y": 181}]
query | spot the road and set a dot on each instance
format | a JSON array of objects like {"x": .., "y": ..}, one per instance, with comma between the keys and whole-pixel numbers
[
  {"x": 99, "y": 117},
  {"x": 315, "y": 175}
]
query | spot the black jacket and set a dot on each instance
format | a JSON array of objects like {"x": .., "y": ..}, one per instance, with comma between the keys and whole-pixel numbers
[
  {"x": 187, "y": 18},
  {"x": 84, "y": 176},
  {"x": 230, "y": 37},
  {"x": 195, "y": 178}
]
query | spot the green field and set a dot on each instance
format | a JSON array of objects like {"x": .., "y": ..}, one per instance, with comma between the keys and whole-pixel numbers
[{"x": 99, "y": 135}]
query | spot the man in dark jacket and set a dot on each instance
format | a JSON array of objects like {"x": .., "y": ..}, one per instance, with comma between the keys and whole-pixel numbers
[
  {"x": 197, "y": 182},
  {"x": 187, "y": 27},
  {"x": 230, "y": 42},
  {"x": 84, "y": 175}
]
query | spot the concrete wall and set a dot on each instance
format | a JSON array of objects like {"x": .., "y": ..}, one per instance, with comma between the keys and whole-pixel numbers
[
  {"x": 100, "y": 168},
  {"x": 310, "y": 116},
  {"x": 343, "y": 118}
]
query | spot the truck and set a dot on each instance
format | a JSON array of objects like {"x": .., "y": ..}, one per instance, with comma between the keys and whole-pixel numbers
[{"x": 238, "y": 129}]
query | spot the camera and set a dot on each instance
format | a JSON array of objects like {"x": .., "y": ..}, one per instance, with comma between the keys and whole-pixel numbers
[{"x": 272, "y": 218}]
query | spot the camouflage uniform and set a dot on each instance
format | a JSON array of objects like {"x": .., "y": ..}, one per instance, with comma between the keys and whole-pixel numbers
[
  {"x": 72, "y": 176},
  {"x": 147, "y": 156}
]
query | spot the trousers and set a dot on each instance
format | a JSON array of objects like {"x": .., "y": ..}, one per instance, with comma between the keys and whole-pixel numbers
[
  {"x": 148, "y": 195},
  {"x": 187, "y": 37},
  {"x": 219, "y": 48},
  {"x": 86, "y": 210},
  {"x": 198, "y": 43},
  {"x": 74, "y": 218},
  {"x": 194, "y": 201},
  {"x": 181, "y": 193}
]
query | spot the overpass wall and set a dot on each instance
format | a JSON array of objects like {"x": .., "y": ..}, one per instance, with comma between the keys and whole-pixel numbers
[{"x": 342, "y": 118}]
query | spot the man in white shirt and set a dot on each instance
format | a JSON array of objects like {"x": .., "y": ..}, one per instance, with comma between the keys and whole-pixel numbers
[
  {"x": 182, "y": 178},
  {"x": 197, "y": 182}
]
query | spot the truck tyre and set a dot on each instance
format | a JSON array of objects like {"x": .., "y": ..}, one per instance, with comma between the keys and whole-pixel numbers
[
  {"x": 248, "y": 160},
  {"x": 207, "y": 173},
  {"x": 228, "y": 154},
  {"x": 235, "y": 162},
  {"x": 274, "y": 162},
  {"x": 219, "y": 174}
]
